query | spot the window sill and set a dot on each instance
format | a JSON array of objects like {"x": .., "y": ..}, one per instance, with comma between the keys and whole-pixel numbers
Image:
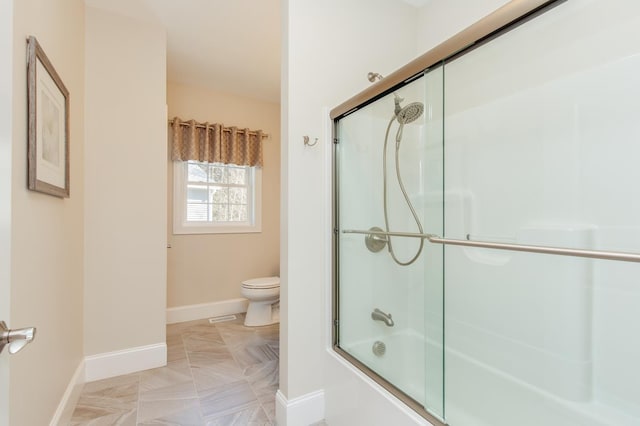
[{"x": 222, "y": 229}]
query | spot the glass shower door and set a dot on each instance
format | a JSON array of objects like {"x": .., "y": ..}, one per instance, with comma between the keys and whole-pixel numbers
[
  {"x": 389, "y": 315},
  {"x": 532, "y": 139},
  {"x": 542, "y": 149}
]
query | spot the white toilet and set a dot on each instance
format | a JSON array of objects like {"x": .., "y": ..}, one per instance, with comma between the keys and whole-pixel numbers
[{"x": 263, "y": 295}]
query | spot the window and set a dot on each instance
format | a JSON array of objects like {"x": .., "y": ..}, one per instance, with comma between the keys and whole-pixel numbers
[{"x": 215, "y": 198}]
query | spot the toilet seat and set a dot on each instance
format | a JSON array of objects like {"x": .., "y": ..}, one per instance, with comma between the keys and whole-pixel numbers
[{"x": 262, "y": 283}]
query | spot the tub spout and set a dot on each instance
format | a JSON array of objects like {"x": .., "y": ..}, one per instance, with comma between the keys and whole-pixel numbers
[{"x": 378, "y": 315}]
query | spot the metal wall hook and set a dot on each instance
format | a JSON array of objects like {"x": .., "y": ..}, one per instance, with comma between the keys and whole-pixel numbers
[{"x": 306, "y": 141}]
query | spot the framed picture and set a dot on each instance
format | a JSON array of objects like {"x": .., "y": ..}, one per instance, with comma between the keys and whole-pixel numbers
[{"x": 48, "y": 108}]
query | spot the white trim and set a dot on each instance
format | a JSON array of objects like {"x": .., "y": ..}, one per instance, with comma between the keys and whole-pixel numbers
[
  {"x": 69, "y": 400},
  {"x": 206, "y": 310},
  {"x": 369, "y": 392},
  {"x": 303, "y": 410},
  {"x": 111, "y": 364},
  {"x": 328, "y": 226}
]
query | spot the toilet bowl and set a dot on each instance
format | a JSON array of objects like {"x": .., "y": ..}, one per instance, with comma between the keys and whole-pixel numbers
[{"x": 263, "y": 295}]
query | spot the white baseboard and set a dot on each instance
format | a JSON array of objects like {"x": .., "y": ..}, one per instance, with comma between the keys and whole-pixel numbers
[
  {"x": 111, "y": 364},
  {"x": 69, "y": 400},
  {"x": 206, "y": 310},
  {"x": 301, "y": 411}
]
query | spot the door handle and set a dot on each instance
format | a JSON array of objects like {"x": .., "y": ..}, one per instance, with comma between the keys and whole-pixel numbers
[{"x": 15, "y": 339}]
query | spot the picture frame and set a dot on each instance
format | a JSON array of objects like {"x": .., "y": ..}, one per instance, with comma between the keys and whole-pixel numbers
[{"x": 48, "y": 125}]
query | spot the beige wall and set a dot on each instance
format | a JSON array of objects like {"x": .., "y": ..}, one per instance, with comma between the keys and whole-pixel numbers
[
  {"x": 125, "y": 208},
  {"x": 47, "y": 232},
  {"x": 6, "y": 90},
  {"x": 209, "y": 268}
]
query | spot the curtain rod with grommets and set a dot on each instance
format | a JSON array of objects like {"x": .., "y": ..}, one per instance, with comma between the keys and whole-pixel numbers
[{"x": 224, "y": 129}]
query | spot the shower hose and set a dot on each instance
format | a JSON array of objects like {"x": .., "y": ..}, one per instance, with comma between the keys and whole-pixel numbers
[{"x": 404, "y": 193}]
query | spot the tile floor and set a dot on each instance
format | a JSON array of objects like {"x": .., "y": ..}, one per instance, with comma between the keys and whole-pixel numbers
[{"x": 217, "y": 374}]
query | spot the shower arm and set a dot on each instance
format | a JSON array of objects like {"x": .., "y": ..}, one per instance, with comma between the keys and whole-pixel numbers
[
  {"x": 374, "y": 77},
  {"x": 560, "y": 251}
]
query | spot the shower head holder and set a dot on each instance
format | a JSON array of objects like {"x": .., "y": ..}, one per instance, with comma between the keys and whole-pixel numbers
[{"x": 375, "y": 242}]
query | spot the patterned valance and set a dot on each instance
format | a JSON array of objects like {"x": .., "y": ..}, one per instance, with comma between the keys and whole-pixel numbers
[{"x": 214, "y": 143}]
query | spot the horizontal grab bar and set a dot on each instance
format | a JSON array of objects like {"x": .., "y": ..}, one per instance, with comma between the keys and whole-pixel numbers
[{"x": 560, "y": 251}]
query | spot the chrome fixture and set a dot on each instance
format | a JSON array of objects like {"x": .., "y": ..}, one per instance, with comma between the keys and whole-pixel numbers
[
  {"x": 375, "y": 242},
  {"x": 374, "y": 76},
  {"x": 404, "y": 116},
  {"x": 410, "y": 113},
  {"x": 378, "y": 315},
  {"x": 379, "y": 348},
  {"x": 559, "y": 251},
  {"x": 16, "y": 339},
  {"x": 305, "y": 139}
]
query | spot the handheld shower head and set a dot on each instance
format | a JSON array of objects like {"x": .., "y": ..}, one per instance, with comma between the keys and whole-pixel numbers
[{"x": 409, "y": 113}]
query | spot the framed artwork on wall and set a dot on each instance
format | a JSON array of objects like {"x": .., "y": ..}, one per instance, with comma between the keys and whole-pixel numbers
[{"x": 48, "y": 112}]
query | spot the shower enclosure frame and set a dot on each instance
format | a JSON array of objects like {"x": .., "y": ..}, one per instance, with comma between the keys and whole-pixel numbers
[{"x": 497, "y": 23}]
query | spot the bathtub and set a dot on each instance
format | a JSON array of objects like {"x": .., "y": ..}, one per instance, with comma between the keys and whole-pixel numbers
[
  {"x": 477, "y": 394},
  {"x": 403, "y": 365}
]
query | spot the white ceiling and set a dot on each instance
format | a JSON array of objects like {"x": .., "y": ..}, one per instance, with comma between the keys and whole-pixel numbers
[{"x": 231, "y": 46}]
